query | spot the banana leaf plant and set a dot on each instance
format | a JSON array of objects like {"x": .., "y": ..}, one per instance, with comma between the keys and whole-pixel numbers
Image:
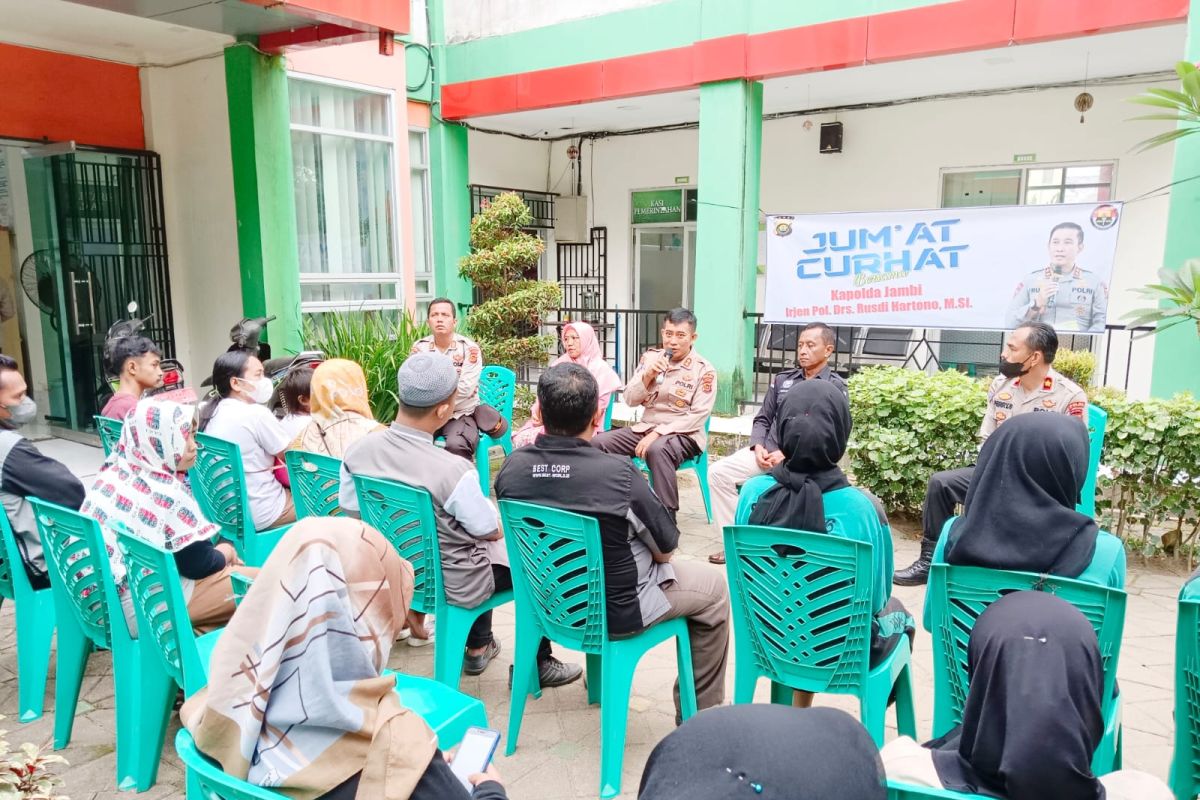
[
  {"x": 1177, "y": 297},
  {"x": 1182, "y": 107}
]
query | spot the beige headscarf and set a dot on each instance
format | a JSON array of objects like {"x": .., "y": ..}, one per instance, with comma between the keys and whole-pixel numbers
[
  {"x": 340, "y": 408},
  {"x": 295, "y": 699}
]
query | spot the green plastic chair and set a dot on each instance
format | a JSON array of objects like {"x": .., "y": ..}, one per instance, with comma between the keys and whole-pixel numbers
[
  {"x": 405, "y": 516},
  {"x": 447, "y": 711},
  {"x": 315, "y": 480},
  {"x": 958, "y": 595},
  {"x": 89, "y": 618},
  {"x": 1097, "y": 422},
  {"x": 1185, "y": 765},
  {"x": 34, "y": 615},
  {"x": 699, "y": 464},
  {"x": 558, "y": 575},
  {"x": 219, "y": 483},
  {"x": 903, "y": 791},
  {"x": 608, "y": 412},
  {"x": 497, "y": 388},
  {"x": 241, "y": 585},
  {"x": 110, "y": 432},
  {"x": 802, "y": 619},
  {"x": 162, "y": 612}
]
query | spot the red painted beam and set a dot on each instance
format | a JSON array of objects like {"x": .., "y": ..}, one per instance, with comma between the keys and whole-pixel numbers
[
  {"x": 951, "y": 27},
  {"x": 315, "y": 35},
  {"x": 392, "y": 15}
]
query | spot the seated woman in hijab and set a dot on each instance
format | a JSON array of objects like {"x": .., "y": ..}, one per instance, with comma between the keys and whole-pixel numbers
[
  {"x": 339, "y": 409},
  {"x": 581, "y": 347},
  {"x": 809, "y": 492},
  {"x": 1032, "y": 720},
  {"x": 765, "y": 752},
  {"x": 142, "y": 487},
  {"x": 319, "y": 622},
  {"x": 1020, "y": 508}
]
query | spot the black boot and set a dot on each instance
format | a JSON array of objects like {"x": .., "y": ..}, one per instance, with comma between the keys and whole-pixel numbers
[{"x": 917, "y": 573}]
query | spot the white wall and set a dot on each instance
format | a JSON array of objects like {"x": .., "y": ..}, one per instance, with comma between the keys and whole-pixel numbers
[
  {"x": 476, "y": 19},
  {"x": 187, "y": 123},
  {"x": 892, "y": 159}
]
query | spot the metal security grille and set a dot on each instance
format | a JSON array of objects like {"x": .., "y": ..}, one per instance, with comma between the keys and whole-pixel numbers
[
  {"x": 109, "y": 215},
  {"x": 541, "y": 204},
  {"x": 583, "y": 273}
]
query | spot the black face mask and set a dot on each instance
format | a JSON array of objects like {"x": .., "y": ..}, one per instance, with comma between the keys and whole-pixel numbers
[{"x": 1013, "y": 369}]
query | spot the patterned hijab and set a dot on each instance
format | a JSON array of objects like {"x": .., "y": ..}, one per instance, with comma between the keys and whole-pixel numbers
[
  {"x": 296, "y": 700},
  {"x": 340, "y": 408},
  {"x": 140, "y": 485}
]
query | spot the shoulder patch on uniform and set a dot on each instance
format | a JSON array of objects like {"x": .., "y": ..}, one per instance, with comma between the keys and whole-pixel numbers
[
  {"x": 1077, "y": 408},
  {"x": 1048, "y": 384},
  {"x": 472, "y": 354},
  {"x": 707, "y": 381}
]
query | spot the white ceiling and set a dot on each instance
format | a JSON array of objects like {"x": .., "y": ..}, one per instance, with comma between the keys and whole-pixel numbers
[
  {"x": 1136, "y": 52},
  {"x": 97, "y": 33}
]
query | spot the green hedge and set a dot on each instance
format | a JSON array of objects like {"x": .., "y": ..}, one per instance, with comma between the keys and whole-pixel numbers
[{"x": 908, "y": 425}]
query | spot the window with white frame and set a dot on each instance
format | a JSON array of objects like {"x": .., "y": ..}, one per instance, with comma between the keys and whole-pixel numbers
[
  {"x": 422, "y": 229},
  {"x": 1040, "y": 185},
  {"x": 343, "y": 140}
]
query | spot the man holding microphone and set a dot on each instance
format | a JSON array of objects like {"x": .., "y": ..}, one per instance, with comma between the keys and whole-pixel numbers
[{"x": 677, "y": 388}]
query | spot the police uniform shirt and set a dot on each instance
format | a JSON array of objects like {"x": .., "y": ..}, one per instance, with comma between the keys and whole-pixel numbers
[
  {"x": 1006, "y": 399},
  {"x": 763, "y": 430},
  {"x": 681, "y": 403},
  {"x": 468, "y": 360},
  {"x": 1079, "y": 305}
]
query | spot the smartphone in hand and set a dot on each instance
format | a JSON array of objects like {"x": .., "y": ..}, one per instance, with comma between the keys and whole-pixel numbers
[{"x": 474, "y": 754}]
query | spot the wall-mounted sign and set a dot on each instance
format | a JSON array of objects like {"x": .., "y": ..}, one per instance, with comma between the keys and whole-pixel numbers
[
  {"x": 1024, "y": 158},
  {"x": 684, "y": 179},
  {"x": 657, "y": 205}
]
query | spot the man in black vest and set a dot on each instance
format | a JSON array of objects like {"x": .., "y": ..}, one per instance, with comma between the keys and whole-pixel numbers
[{"x": 637, "y": 532}]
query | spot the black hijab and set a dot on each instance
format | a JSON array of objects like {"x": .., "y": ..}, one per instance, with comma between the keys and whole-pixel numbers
[
  {"x": 1020, "y": 508},
  {"x": 765, "y": 752},
  {"x": 1033, "y": 718},
  {"x": 813, "y": 428}
]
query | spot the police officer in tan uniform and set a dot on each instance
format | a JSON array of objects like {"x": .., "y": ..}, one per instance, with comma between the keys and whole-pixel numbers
[
  {"x": 1063, "y": 294},
  {"x": 1026, "y": 384},
  {"x": 677, "y": 387},
  {"x": 470, "y": 416}
]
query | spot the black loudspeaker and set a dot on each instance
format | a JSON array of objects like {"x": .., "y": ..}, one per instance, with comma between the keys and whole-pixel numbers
[{"x": 831, "y": 137}]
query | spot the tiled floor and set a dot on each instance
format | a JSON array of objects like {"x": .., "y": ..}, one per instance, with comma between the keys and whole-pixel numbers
[{"x": 558, "y": 755}]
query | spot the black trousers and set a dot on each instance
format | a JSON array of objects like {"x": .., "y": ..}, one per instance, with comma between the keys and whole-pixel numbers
[
  {"x": 481, "y": 630},
  {"x": 947, "y": 490}
]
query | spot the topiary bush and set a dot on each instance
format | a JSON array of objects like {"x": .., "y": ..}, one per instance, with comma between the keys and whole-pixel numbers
[
  {"x": 908, "y": 425},
  {"x": 506, "y": 320},
  {"x": 1078, "y": 365}
]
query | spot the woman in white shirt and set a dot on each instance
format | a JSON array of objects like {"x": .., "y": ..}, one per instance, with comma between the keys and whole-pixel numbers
[{"x": 240, "y": 415}]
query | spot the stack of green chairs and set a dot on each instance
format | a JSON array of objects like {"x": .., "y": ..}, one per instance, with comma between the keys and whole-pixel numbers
[
  {"x": 802, "y": 619},
  {"x": 1185, "y": 765},
  {"x": 699, "y": 464},
  {"x": 558, "y": 575},
  {"x": 497, "y": 388},
  {"x": 404, "y": 515},
  {"x": 316, "y": 480},
  {"x": 35, "y": 625},
  {"x": 89, "y": 617},
  {"x": 162, "y": 614},
  {"x": 219, "y": 482},
  {"x": 958, "y": 595},
  {"x": 110, "y": 432}
]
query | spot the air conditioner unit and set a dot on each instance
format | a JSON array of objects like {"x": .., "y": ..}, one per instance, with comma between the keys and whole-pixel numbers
[{"x": 570, "y": 218}]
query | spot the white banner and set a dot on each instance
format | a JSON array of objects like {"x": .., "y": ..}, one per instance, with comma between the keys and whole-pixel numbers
[{"x": 986, "y": 267}]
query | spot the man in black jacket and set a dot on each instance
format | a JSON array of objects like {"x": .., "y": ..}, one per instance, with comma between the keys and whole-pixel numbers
[
  {"x": 637, "y": 533},
  {"x": 814, "y": 346},
  {"x": 25, "y": 472}
]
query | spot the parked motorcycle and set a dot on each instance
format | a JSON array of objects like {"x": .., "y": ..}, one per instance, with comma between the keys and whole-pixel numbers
[
  {"x": 245, "y": 335},
  {"x": 172, "y": 369}
]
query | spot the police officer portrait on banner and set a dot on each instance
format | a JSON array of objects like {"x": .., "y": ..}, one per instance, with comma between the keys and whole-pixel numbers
[
  {"x": 1027, "y": 384},
  {"x": 676, "y": 388},
  {"x": 470, "y": 416},
  {"x": 1062, "y": 294}
]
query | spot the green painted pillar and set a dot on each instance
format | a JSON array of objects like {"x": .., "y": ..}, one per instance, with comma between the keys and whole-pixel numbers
[
  {"x": 727, "y": 232},
  {"x": 261, "y": 147},
  {"x": 450, "y": 177},
  {"x": 1177, "y": 351}
]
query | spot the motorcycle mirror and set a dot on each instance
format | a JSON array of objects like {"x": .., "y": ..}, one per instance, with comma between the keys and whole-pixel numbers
[{"x": 132, "y": 307}]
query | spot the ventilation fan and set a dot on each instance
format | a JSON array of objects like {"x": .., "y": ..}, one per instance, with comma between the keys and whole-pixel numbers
[{"x": 37, "y": 278}]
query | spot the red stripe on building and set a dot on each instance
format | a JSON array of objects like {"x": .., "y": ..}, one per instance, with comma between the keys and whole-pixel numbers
[
  {"x": 60, "y": 98},
  {"x": 952, "y": 27}
]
